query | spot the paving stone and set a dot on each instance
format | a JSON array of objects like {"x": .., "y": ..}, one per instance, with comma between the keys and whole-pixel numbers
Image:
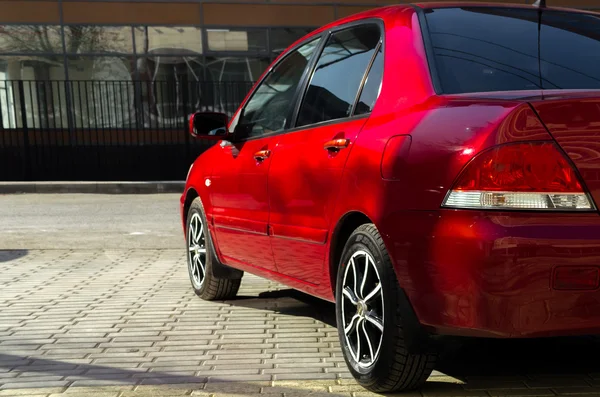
[
  {"x": 521, "y": 393},
  {"x": 42, "y": 391},
  {"x": 34, "y": 384},
  {"x": 235, "y": 388},
  {"x": 117, "y": 330},
  {"x": 557, "y": 382},
  {"x": 577, "y": 391}
]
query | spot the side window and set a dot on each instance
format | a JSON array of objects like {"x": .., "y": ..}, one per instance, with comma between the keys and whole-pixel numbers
[
  {"x": 271, "y": 104},
  {"x": 338, "y": 74},
  {"x": 372, "y": 86}
]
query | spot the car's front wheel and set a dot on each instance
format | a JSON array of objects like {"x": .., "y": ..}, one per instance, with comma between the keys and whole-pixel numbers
[
  {"x": 370, "y": 326},
  {"x": 202, "y": 259}
]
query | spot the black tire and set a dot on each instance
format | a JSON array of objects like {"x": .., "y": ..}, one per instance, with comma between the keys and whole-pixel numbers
[
  {"x": 392, "y": 368},
  {"x": 210, "y": 287}
]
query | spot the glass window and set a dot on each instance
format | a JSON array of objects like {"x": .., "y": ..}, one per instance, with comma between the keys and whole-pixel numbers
[
  {"x": 43, "y": 88},
  {"x": 235, "y": 69},
  {"x": 168, "y": 40},
  {"x": 98, "y": 39},
  {"x": 102, "y": 91},
  {"x": 271, "y": 104},
  {"x": 281, "y": 38},
  {"x": 237, "y": 40},
  {"x": 570, "y": 50},
  {"x": 30, "y": 39},
  {"x": 479, "y": 49},
  {"x": 372, "y": 86},
  {"x": 339, "y": 72}
]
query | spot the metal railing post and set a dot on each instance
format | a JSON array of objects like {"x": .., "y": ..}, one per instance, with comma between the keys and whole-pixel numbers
[{"x": 23, "y": 109}]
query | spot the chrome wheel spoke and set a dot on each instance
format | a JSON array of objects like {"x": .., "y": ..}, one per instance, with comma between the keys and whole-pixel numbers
[
  {"x": 362, "y": 305},
  {"x": 196, "y": 250},
  {"x": 356, "y": 354},
  {"x": 355, "y": 278},
  {"x": 347, "y": 291},
  {"x": 200, "y": 232},
  {"x": 350, "y": 326},
  {"x": 364, "y": 278},
  {"x": 372, "y": 294},
  {"x": 368, "y": 339},
  {"x": 373, "y": 319}
]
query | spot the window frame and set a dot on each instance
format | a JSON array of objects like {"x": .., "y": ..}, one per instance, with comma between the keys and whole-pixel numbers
[
  {"x": 307, "y": 75},
  {"x": 367, "y": 21},
  {"x": 366, "y": 76},
  {"x": 319, "y": 37},
  {"x": 429, "y": 53}
]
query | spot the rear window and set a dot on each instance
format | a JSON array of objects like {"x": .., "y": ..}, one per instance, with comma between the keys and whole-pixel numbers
[{"x": 481, "y": 49}]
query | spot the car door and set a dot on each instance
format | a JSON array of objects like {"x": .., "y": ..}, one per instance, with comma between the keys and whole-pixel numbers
[
  {"x": 304, "y": 176},
  {"x": 238, "y": 185}
]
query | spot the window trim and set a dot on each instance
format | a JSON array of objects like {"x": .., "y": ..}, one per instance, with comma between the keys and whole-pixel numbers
[
  {"x": 367, "y": 21},
  {"x": 366, "y": 76},
  {"x": 429, "y": 53},
  {"x": 319, "y": 37},
  {"x": 323, "y": 36}
]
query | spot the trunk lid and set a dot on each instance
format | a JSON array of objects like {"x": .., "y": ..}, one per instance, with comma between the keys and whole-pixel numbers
[{"x": 573, "y": 119}]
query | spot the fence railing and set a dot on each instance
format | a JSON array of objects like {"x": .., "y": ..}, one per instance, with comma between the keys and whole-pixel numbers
[{"x": 113, "y": 123}]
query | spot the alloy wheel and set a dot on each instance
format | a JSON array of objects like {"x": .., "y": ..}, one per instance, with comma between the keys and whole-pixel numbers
[
  {"x": 197, "y": 250},
  {"x": 362, "y": 309}
]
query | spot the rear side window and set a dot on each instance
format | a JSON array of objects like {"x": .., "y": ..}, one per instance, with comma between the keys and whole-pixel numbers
[
  {"x": 338, "y": 74},
  {"x": 480, "y": 49}
]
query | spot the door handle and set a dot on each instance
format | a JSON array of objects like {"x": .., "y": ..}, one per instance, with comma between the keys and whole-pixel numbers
[
  {"x": 335, "y": 145},
  {"x": 262, "y": 155}
]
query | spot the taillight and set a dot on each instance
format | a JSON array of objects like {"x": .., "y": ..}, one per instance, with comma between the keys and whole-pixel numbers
[{"x": 527, "y": 176}]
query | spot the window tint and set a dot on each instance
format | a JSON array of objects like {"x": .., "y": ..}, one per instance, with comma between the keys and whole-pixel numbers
[
  {"x": 485, "y": 49},
  {"x": 268, "y": 109},
  {"x": 478, "y": 49},
  {"x": 338, "y": 74},
  {"x": 372, "y": 86},
  {"x": 570, "y": 50}
]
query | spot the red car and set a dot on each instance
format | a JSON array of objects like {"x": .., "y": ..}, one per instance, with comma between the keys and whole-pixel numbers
[{"x": 434, "y": 169}]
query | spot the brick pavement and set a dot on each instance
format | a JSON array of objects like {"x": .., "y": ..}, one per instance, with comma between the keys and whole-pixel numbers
[{"x": 119, "y": 323}]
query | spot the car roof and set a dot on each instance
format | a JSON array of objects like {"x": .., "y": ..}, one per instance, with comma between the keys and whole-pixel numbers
[
  {"x": 391, "y": 12},
  {"x": 386, "y": 12},
  {"x": 454, "y": 4}
]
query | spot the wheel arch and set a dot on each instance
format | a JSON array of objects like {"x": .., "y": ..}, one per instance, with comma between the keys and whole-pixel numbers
[
  {"x": 342, "y": 231},
  {"x": 190, "y": 196},
  {"x": 418, "y": 339}
]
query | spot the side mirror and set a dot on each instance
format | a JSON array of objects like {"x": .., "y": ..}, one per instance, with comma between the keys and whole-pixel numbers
[{"x": 208, "y": 125}]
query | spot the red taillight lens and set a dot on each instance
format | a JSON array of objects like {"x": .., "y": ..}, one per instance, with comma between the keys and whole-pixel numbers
[
  {"x": 522, "y": 167},
  {"x": 519, "y": 176}
]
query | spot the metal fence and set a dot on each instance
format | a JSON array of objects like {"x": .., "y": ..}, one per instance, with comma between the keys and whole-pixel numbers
[{"x": 105, "y": 130}]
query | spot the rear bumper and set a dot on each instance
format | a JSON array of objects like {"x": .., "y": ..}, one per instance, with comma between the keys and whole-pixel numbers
[{"x": 490, "y": 274}]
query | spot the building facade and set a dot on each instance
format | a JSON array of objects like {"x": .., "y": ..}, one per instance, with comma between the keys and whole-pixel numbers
[{"x": 114, "y": 73}]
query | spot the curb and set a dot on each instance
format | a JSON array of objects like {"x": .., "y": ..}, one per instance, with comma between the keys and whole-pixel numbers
[{"x": 93, "y": 187}]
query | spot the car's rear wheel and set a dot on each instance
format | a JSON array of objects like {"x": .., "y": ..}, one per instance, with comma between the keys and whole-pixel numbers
[
  {"x": 370, "y": 326},
  {"x": 202, "y": 259}
]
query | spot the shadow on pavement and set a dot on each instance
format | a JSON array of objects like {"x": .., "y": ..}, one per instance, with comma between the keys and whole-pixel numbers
[
  {"x": 11, "y": 255},
  {"x": 106, "y": 376},
  {"x": 471, "y": 359},
  {"x": 290, "y": 302}
]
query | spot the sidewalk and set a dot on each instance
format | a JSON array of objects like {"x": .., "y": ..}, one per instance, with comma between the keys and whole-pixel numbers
[
  {"x": 116, "y": 187},
  {"x": 119, "y": 323}
]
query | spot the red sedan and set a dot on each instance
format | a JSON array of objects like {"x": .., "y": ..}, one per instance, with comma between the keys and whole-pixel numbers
[{"x": 433, "y": 169}]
